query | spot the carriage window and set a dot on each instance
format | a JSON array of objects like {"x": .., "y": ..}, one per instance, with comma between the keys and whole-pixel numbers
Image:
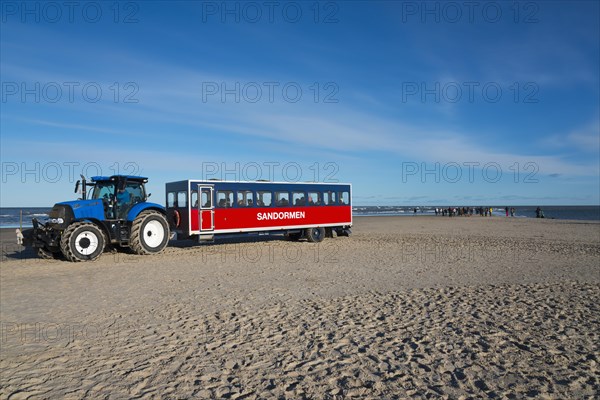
[
  {"x": 182, "y": 199},
  {"x": 245, "y": 198},
  {"x": 298, "y": 198},
  {"x": 314, "y": 199},
  {"x": 194, "y": 201},
  {"x": 344, "y": 198},
  {"x": 329, "y": 198},
  {"x": 224, "y": 198},
  {"x": 263, "y": 199},
  {"x": 205, "y": 198},
  {"x": 282, "y": 198},
  {"x": 171, "y": 199}
]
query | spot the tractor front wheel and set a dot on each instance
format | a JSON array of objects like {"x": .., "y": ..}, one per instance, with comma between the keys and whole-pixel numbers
[
  {"x": 82, "y": 241},
  {"x": 46, "y": 254},
  {"x": 149, "y": 233}
]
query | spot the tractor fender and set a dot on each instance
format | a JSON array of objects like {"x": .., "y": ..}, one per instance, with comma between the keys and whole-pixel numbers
[
  {"x": 100, "y": 223},
  {"x": 138, "y": 208}
]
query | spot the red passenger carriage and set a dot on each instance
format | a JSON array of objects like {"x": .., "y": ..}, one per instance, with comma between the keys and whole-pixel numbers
[{"x": 202, "y": 209}]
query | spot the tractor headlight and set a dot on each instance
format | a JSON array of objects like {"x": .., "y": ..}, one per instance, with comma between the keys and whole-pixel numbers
[{"x": 60, "y": 216}]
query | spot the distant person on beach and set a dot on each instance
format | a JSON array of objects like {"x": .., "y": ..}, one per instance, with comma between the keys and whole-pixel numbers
[
  {"x": 506, "y": 209},
  {"x": 512, "y": 211},
  {"x": 539, "y": 213}
]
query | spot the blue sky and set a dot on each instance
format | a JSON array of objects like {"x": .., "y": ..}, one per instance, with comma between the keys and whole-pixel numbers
[{"x": 430, "y": 103}]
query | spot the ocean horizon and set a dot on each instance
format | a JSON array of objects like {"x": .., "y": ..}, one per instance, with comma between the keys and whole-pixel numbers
[{"x": 10, "y": 217}]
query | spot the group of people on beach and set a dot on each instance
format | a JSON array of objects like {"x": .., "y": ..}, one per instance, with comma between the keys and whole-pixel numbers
[
  {"x": 464, "y": 211},
  {"x": 481, "y": 211},
  {"x": 469, "y": 211}
]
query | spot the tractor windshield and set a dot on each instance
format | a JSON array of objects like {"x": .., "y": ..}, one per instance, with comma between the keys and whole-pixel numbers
[{"x": 104, "y": 190}]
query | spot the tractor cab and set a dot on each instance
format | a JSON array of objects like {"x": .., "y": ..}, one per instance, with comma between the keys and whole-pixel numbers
[{"x": 117, "y": 193}]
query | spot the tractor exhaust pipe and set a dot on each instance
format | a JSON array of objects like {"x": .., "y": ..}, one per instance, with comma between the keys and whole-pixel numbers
[{"x": 83, "y": 187}]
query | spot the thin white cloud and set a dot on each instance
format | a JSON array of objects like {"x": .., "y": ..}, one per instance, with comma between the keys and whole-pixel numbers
[
  {"x": 178, "y": 100},
  {"x": 586, "y": 139}
]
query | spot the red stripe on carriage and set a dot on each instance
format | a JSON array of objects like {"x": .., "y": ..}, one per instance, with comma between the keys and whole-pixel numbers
[{"x": 266, "y": 217}]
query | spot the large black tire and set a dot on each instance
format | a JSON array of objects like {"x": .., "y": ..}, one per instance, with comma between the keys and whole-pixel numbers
[
  {"x": 82, "y": 241},
  {"x": 46, "y": 254},
  {"x": 315, "y": 235},
  {"x": 149, "y": 233}
]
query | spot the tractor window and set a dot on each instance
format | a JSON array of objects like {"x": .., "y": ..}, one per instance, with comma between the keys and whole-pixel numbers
[
  {"x": 182, "y": 199},
  {"x": 194, "y": 201},
  {"x": 136, "y": 191},
  {"x": 171, "y": 199}
]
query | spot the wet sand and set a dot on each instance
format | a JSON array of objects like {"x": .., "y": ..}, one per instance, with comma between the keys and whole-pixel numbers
[{"x": 405, "y": 307}]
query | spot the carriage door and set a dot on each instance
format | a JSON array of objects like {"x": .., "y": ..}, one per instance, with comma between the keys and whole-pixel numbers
[{"x": 206, "y": 209}]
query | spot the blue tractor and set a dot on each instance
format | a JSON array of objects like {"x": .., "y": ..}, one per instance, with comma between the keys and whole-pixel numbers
[{"x": 116, "y": 213}]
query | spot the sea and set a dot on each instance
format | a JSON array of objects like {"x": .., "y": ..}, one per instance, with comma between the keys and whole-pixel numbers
[{"x": 13, "y": 217}]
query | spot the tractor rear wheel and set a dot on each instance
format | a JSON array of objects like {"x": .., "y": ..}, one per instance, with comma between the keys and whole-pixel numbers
[
  {"x": 82, "y": 241},
  {"x": 149, "y": 233}
]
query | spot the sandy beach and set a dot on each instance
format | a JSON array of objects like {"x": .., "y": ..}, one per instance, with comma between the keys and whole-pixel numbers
[{"x": 407, "y": 307}]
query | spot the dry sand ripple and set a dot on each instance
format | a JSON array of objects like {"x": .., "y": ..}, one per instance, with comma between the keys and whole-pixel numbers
[
  {"x": 510, "y": 341},
  {"x": 406, "y": 308}
]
